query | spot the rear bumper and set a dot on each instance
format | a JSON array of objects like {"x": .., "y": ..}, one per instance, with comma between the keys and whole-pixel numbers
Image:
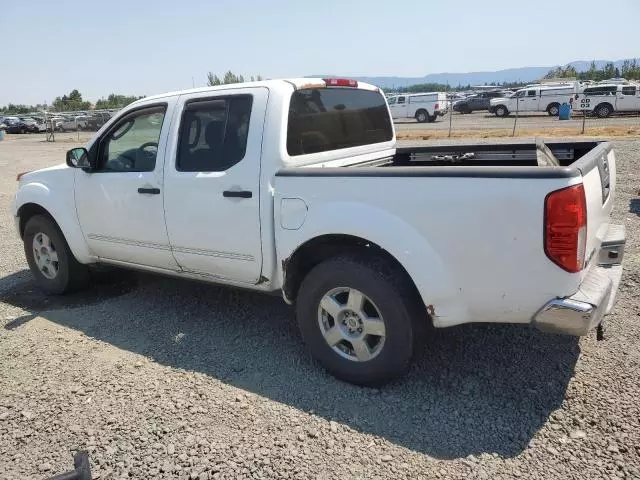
[{"x": 584, "y": 310}]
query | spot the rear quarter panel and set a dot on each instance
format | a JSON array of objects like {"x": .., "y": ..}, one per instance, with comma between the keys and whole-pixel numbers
[{"x": 473, "y": 246}]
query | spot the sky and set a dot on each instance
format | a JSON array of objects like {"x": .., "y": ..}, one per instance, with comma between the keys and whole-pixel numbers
[{"x": 140, "y": 47}]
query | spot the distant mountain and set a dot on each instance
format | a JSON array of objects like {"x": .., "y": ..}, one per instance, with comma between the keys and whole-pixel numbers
[{"x": 524, "y": 74}]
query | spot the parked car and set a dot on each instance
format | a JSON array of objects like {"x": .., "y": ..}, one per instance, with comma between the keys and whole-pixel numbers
[
  {"x": 96, "y": 120},
  {"x": 79, "y": 122},
  {"x": 541, "y": 98},
  {"x": 33, "y": 125},
  {"x": 304, "y": 179},
  {"x": 424, "y": 107},
  {"x": 15, "y": 125},
  {"x": 477, "y": 101},
  {"x": 606, "y": 99}
]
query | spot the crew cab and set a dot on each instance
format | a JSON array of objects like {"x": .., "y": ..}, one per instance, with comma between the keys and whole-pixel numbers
[
  {"x": 298, "y": 187},
  {"x": 540, "y": 98},
  {"x": 424, "y": 107},
  {"x": 606, "y": 99}
]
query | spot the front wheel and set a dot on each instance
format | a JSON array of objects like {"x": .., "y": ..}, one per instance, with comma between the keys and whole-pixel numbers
[
  {"x": 53, "y": 265},
  {"x": 359, "y": 320}
]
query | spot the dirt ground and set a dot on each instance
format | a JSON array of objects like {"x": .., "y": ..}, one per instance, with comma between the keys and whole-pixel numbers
[{"x": 159, "y": 378}]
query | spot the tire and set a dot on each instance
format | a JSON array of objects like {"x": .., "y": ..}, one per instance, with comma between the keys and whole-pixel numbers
[
  {"x": 422, "y": 116},
  {"x": 501, "y": 111},
  {"x": 465, "y": 109},
  {"x": 23, "y": 131},
  {"x": 604, "y": 110},
  {"x": 388, "y": 295},
  {"x": 54, "y": 277},
  {"x": 553, "y": 110}
]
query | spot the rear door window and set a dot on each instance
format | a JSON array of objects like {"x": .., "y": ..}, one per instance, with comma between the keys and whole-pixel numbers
[
  {"x": 326, "y": 119},
  {"x": 213, "y": 133}
]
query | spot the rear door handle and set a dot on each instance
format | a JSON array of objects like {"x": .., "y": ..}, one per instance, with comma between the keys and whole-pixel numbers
[
  {"x": 152, "y": 191},
  {"x": 237, "y": 194}
]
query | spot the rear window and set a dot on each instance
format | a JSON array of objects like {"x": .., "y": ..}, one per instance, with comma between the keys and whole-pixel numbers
[{"x": 334, "y": 118}]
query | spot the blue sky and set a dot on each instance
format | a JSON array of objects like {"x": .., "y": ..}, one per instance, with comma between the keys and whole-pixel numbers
[{"x": 145, "y": 47}]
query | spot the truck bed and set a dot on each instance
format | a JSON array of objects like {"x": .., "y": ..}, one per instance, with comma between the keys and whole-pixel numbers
[{"x": 466, "y": 221}]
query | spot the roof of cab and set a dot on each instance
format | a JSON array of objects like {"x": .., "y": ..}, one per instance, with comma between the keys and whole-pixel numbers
[{"x": 296, "y": 83}]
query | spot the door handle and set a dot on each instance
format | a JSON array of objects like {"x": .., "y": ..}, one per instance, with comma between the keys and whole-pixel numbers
[
  {"x": 237, "y": 194},
  {"x": 152, "y": 191}
]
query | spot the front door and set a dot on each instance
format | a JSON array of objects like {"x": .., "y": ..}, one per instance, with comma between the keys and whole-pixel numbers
[
  {"x": 398, "y": 107},
  {"x": 212, "y": 184},
  {"x": 531, "y": 100},
  {"x": 120, "y": 203},
  {"x": 628, "y": 99}
]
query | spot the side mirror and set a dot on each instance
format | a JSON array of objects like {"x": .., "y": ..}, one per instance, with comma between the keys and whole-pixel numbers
[{"x": 78, "y": 158}]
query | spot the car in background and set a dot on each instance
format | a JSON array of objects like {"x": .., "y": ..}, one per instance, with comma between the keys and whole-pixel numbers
[
  {"x": 477, "y": 101},
  {"x": 34, "y": 126},
  {"x": 96, "y": 120},
  {"x": 15, "y": 125},
  {"x": 78, "y": 122}
]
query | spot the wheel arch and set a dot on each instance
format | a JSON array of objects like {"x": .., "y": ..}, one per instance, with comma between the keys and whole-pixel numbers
[
  {"x": 36, "y": 199},
  {"x": 350, "y": 228}
]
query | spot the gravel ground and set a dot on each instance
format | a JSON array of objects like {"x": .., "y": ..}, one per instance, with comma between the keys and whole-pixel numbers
[{"x": 159, "y": 378}]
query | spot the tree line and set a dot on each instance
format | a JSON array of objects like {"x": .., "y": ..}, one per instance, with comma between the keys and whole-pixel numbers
[
  {"x": 72, "y": 102},
  {"x": 228, "y": 78},
  {"x": 629, "y": 70}
]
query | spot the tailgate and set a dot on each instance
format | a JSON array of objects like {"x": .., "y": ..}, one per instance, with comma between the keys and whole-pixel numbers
[{"x": 598, "y": 168}]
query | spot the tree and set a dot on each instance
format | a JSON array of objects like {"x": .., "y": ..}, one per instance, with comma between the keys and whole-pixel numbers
[
  {"x": 228, "y": 78},
  {"x": 116, "y": 101},
  {"x": 71, "y": 102}
]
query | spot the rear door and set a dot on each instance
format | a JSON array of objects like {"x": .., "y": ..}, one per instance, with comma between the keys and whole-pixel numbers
[{"x": 212, "y": 188}]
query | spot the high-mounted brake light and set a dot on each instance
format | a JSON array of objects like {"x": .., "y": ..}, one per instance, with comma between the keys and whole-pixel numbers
[
  {"x": 340, "y": 82},
  {"x": 565, "y": 227}
]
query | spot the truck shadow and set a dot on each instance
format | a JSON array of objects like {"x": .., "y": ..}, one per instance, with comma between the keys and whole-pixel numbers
[{"x": 476, "y": 388}]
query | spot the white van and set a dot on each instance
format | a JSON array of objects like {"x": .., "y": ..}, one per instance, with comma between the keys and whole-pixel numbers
[
  {"x": 539, "y": 98},
  {"x": 424, "y": 107},
  {"x": 604, "y": 99}
]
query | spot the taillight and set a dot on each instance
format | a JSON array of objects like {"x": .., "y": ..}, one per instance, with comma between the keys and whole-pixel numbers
[
  {"x": 340, "y": 82},
  {"x": 565, "y": 227},
  {"x": 437, "y": 106}
]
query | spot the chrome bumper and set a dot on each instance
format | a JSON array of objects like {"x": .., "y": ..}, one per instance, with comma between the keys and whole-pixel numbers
[{"x": 584, "y": 310}]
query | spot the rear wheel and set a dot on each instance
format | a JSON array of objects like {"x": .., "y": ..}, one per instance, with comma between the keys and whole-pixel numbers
[
  {"x": 501, "y": 111},
  {"x": 53, "y": 265},
  {"x": 553, "y": 109},
  {"x": 422, "y": 116},
  {"x": 359, "y": 319}
]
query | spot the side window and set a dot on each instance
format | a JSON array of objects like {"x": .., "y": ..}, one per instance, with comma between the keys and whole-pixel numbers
[
  {"x": 132, "y": 145},
  {"x": 400, "y": 99},
  {"x": 213, "y": 133},
  {"x": 628, "y": 90},
  {"x": 392, "y": 101},
  {"x": 531, "y": 93},
  {"x": 521, "y": 93}
]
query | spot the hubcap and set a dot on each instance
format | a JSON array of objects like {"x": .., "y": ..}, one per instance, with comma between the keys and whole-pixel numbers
[
  {"x": 351, "y": 324},
  {"x": 421, "y": 117},
  {"x": 45, "y": 255}
]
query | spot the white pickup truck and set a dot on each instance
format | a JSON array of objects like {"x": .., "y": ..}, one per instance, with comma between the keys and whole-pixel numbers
[
  {"x": 297, "y": 186},
  {"x": 424, "y": 107}
]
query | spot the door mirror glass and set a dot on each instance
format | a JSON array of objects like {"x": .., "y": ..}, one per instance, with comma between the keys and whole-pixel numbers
[{"x": 78, "y": 158}]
